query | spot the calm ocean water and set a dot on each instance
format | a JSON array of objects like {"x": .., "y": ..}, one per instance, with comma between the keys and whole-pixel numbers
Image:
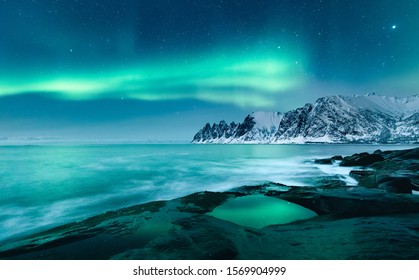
[{"x": 45, "y": 186}]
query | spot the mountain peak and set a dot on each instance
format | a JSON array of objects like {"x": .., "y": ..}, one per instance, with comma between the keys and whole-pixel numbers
[{"x": 369, "y": 118}]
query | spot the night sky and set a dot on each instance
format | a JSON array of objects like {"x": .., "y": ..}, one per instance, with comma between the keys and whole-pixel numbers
[{"x": 161, "y": 69}]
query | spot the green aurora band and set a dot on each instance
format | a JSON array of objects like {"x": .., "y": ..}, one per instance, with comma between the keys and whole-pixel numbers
[{"x": 241, "y": 80}]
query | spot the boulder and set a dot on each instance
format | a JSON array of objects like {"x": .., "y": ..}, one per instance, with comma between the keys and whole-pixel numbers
[
  {"x": 365, "y": 177},
  {"x": 363, "y": 159},
  {"x": 323, "y": 161},
  {"x": 396, "y": 184},
  {"x": 328, "y": 160}
]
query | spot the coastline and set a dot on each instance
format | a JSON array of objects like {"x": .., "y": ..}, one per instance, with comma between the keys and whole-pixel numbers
[{"x": 378, "y": 219}]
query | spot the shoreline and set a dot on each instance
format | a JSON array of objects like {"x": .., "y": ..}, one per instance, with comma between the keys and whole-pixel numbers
[
  {"x": 179, "y": 228},
  {"x": 139, "y": 143}
]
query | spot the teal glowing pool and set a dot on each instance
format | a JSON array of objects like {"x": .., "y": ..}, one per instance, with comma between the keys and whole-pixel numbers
[{"x": 258, "y": 211}]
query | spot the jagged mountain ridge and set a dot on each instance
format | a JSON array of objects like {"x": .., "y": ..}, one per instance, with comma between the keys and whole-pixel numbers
[{"x": 333, "y": 119}]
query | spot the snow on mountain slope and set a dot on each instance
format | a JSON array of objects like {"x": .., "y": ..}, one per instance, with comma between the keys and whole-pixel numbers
[
  {"x": 404, "y": 106},
  {"x": 332, "y": 119},
  {"x": 267, "y": 120},
  {"x": 407, "y": 129},
  {"x": 266, "y": 124}
]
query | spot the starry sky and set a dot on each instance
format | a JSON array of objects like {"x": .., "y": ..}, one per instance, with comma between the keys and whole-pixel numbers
[{"x": 160, "y": 69}]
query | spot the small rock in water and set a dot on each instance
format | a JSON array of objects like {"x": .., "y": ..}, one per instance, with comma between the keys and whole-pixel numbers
[
  {"x": 328, "y": 160},
  {"x": 323, "y": 161},
  {"x": 337, "y": 158}
]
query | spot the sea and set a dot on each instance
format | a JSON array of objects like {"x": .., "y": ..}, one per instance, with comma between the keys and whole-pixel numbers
[{"x": 42, "y": 186}]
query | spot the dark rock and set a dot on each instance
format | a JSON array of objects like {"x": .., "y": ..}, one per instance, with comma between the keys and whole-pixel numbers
[
  {"x": 379, "y": 237},
  {"x": 362, "y": 238},
  {"x": 396, "y": 184},
  {"x": 262, "y": 189},
  {"x": 323, "y": 161},
  {"x": 337, "y": 158},
  {"x": 412, "y": 155},
  {"x": 357, "y": 174},
  {"x": 198, "y": 238},
  {"x": 204, "y": 202},
  {"x": 330, "y": 182},
  {"x": 365, "y": 178},
  {"x": 328, "y": 160},
  {"x": 397, "y": 172},
  {"x": 352, "y": 202},
  {"x": 216, "y": 131},
  {"x": 363, "y": 159},
  {"x": 246, "y": 126},
  {"x": 415, "y": 183}
]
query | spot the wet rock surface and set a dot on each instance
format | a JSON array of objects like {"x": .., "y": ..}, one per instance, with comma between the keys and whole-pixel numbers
[
  {"x": 378, "y": 219},
  {"x": 390, "y": 171},
  {"x": 362, "y": 159}
]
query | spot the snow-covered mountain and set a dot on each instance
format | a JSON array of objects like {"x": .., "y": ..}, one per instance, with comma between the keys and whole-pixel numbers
[{"x": 334, "y": 119}]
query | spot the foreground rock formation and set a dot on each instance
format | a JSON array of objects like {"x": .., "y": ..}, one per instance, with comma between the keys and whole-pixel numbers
[
  {"x": 378, "y": 219},
  {"x": 391, "y": 171}
]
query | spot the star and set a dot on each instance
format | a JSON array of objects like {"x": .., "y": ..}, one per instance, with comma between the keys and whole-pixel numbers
[{"x": 394, "y": 26}]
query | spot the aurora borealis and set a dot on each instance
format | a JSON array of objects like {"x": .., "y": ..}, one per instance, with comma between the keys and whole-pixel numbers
[
  {"x": 214, "y": 79},
  {"x": 159, "y": 69}
]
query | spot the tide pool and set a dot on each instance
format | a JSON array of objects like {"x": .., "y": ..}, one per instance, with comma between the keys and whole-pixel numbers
[{"x": 258, "y": 211}]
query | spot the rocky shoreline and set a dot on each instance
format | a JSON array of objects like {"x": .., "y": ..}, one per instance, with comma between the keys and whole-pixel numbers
[
  {"x": 391, "y": 171},
  {"x": 377, "y": 219}
]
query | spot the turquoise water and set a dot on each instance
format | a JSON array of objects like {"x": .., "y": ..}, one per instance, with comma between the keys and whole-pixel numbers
[
  {"x": 258, "y": 211},
  {"x": 45, "y": 186}
]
